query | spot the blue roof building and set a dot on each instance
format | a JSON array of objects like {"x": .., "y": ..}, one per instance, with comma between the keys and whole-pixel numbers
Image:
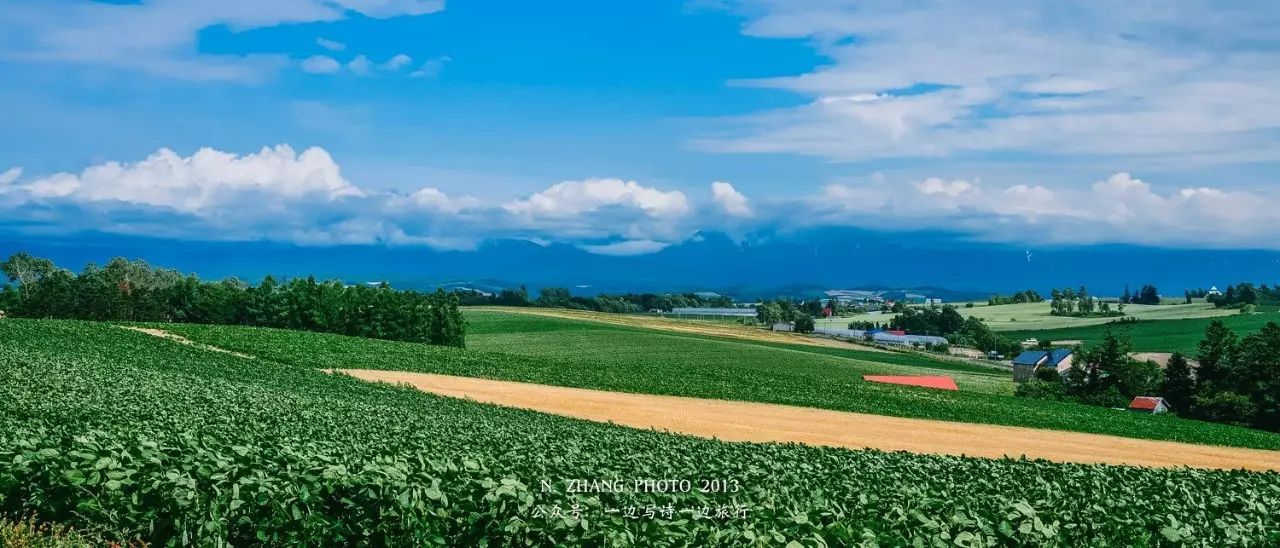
[{"x": 1026, "y": 364}]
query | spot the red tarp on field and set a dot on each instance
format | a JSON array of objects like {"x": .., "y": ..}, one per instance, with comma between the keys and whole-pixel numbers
[{"x": 928, "y": 381}]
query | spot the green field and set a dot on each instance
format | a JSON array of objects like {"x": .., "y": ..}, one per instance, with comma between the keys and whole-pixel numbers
[
  {"x": 556, "y": 351},
  {"x": 122, "y": 435},
  {"x": 1155, "y": 336},
  {"x": 1035, "y": 316}
]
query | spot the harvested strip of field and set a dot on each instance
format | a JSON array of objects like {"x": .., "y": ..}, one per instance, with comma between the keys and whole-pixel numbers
[
  {"x": 710, "y": 329},
  {"x": 755, "y": 422},
  {"x": 182, "y": 340}
]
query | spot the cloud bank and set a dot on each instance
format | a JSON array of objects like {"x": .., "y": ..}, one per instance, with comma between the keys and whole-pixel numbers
[
  {"x": 159, "y": 37},
  {"x": 280, "y": 194},
  {"x": 1154, "y": 82}
]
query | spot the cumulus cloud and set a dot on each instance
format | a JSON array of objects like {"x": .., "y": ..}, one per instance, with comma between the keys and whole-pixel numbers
[
  {"x": 160, "y": 38},
  {"x": 359, "y": 64},
  {"x": 626, "y": 248},
  {"x": 570, "y": 198},
  {"x": 281, "y": 194},
  {"x": 732, "y": 202},
  {"x": 331, "y": 45},
  {"x": 397, "y": 62},
  {"x": 1118, "y": 209},
  {"x": 202, "y": 183},
  {"x": 320, "y": 64},
  {"x": 431, "y": 68},
  {"x": 1158, "y": 83},
  {"x": 303, "y": 197},
  {"x": 10, "y": 175}
]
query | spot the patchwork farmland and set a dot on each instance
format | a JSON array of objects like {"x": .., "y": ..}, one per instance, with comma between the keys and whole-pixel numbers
[{"x": 241, "y": 437}]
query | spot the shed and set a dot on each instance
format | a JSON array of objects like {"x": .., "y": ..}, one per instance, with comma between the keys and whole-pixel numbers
[
  {"x": 784, "y": 326},
  {"x": 1149, "y": 404}
]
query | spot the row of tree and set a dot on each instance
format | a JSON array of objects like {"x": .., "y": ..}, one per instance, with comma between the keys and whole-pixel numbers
[
  {"x": 787, "y": 310},
  {"x": 1235, "y": 380},
  {"x": 1079, "y": 304},
  {"x": 946, "y": 321},
  {"x": 1028, "y": 296},
  {"x": 134, "y": 291},
  {"x": 560, "y": 297},
  {"x": 1104, "y": 375},
  {"x": 1148, "y": 294},
  {"x": 1245, "y": 294}
]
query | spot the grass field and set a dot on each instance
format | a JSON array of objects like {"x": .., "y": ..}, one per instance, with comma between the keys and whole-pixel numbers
[
  {"x": 1035, "y": 316},
  {"x": 1155, "y": 336},
  {"x": 562, "y": 352},
  {"x": 122, "y": 435}
]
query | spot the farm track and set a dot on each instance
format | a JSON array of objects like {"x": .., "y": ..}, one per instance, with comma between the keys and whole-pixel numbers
[
  {"x": 740, "y": 421},
  {"x": 757, "y": 422},
  {"x": 683, "y": 326}
]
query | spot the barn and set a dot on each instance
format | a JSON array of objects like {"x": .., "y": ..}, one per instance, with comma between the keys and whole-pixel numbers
[{"x": 1149, "y": 404}]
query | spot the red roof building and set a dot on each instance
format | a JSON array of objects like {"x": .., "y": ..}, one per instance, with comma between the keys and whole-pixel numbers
[
  {"x": 1148, "y": 404},
  {"x": 941, "y": 382}
]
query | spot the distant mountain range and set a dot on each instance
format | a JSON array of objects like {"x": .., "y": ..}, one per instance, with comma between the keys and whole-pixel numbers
[{"x": 797, "y": 264}]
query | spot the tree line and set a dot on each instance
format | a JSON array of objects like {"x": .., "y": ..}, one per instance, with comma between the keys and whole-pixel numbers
[
  {"x": 133, "y": 291},
  {"x": 1080, "y": 304},
  {"x": 626, "y": 303},
  {"x": 1028, "y": 296},
  {"x": 786, "y": 310},
  {"x": 1235, "y": 380},
  {"x": 1147, "y": 294},
  {"x": 1243, "y": 295}
]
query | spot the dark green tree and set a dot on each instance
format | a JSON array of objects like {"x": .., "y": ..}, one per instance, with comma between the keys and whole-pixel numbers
[{"x": 1179, "y": 385}]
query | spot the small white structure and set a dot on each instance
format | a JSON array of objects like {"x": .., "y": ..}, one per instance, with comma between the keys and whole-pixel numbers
[
  {"x": 784, "y": 326},
  {"x": 1214, "y": 291},
  {"x": 715, "y": 312}
]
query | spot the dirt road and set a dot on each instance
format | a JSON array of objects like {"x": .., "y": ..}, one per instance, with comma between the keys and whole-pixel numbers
[
  {"x": 710, "y": 329},
  {"x": 756, "y": 422}
]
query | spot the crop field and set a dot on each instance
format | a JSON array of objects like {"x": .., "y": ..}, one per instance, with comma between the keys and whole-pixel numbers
[
  {"x": 1156, "y": 336},
  {"x": 122, "y": 435},
  {"x": 1035, "y": 316},
  {"x": 570, "y": 353}
]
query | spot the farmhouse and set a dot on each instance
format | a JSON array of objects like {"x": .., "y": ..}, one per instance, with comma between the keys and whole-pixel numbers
[
  {"x": 1027, "y": 363},
  {"x": 1149, "y": 404}
]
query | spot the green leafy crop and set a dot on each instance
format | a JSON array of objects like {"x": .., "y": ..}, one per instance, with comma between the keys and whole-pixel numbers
[{"x": 123, "y": 435}]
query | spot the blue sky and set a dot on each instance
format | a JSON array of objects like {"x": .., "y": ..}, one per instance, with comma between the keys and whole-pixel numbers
[{"x": 628, "y": 127}]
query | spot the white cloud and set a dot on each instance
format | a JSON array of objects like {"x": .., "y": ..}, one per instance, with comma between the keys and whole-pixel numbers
[
  {"x": 1157, "y": 82},
  {"x": 626, "y": 248},
  {"x": 431, "y": 68},
  {"x": 397, "y": 62},
  {"x": 1118, "y": 209},
  {"x": 359, "y": 65},
  {"x": 570, "y": 198},
  {"x": 730, "y": 200},
  {"x": 202, "y": 183},
  {"x": 10, "y": 175},
  {"x": 320, "y": 64},
  {"x": 161, "y": 37},
  {"x": 280, "y": 194},
  {"x": 331, "y": 45},
  {"x": 935, "y": 185}
]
